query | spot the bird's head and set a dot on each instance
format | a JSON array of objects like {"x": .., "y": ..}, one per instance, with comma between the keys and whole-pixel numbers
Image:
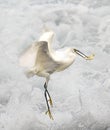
[{"x": 91, "y": 57}]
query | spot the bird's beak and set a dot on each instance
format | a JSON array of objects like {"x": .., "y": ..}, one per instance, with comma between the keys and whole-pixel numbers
[{"x": 91, "y": 57}]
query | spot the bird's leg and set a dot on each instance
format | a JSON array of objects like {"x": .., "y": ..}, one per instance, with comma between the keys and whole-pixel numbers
[
  {"x": 50, "y": 99},
  {"x": 47, "y": 80},
  {"x": 91, "y": 57},
  {"x": 47, "y": 93}
]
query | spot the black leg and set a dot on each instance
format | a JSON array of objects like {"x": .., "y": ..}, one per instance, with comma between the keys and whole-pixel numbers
[
  {"x": 47, "y": 93},
  {"x": 50, "y": 100}
]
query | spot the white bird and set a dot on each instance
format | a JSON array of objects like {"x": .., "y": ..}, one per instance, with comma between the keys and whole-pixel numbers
[{"x": 40, "y": 59}]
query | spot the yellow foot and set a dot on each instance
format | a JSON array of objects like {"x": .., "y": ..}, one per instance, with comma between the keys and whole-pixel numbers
[
  {"x": 91, "y": 57},
  {"x": 49, "y": 113},
  {"x": 51, "y": 103}
]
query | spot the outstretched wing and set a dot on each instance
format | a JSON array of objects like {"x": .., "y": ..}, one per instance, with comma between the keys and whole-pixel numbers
[
  {"x": 48, "y": 37},
  {"x": 27, "y": 59},
  {"x": 44, "y": 59},
  {"x": 39, "y": 57}
]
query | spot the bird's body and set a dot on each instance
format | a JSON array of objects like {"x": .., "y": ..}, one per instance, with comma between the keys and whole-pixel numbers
[{"x": 40, "y": 59}]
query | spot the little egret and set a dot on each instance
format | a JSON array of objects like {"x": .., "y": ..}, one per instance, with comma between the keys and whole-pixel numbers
[{"x": 40, "y": 59}]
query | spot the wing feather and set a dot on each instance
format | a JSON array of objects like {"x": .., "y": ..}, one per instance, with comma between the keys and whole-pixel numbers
[
  {"x": 39, "y": 57},
  {"x": 27, "y": 59},
  {"x": 44, "y": 58}
]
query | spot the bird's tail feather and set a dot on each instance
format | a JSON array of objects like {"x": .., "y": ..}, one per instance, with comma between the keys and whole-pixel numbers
[{"x": 29, "y": 74}]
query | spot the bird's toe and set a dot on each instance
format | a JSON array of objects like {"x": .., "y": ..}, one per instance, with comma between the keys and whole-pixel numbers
[
  {"x": 91, "y": 57},
  {"x": 49, "y": 113}
]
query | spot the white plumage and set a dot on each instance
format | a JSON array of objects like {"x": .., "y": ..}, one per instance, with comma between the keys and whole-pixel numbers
[{"x": 40, "y": 59}]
